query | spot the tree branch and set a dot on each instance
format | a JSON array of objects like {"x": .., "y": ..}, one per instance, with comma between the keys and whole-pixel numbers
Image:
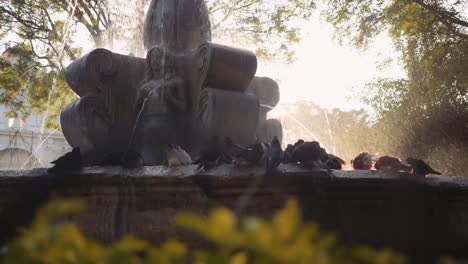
[{"x": 441, "y": 14}]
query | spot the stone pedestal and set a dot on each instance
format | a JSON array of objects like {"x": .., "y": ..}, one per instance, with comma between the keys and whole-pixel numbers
[{"x": 422, "y": 217}]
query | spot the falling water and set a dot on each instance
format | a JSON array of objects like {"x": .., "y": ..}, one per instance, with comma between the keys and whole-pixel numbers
[
  {"x": 163, "y": 72},
  {"x": 330, "y": 133},
  {"x": 137, "y": 120},
  {"x": 39, "y": 147},
  {"x": 298, "y": 122},
  {"x": 163, "y": 66}
]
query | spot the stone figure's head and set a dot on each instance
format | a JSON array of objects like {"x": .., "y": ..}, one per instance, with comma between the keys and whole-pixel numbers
[
  {"x": 154, "y": 59},
  {"x": 159, "y": 63}
]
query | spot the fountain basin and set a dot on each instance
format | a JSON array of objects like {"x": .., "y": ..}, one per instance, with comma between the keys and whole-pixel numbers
[{"x": 424, "y": 217}]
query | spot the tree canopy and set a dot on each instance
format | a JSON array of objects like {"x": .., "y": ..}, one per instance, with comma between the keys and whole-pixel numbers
[{"x": 426, "y": 112}]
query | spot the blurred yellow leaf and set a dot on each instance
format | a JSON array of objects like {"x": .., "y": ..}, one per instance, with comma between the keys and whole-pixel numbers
[
  {"x": 223, "y": 222},
  {"x": 131, "y": 244},
  {"x": 287, "y": 220},
  {"x": 239, "y": 258},
  {"x": 174, "y": 248}
]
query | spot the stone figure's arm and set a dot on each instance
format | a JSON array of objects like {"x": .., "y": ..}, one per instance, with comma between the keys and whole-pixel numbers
[
  {"x": 143, "y": 93},
  {"x": 176, "y": 94}
]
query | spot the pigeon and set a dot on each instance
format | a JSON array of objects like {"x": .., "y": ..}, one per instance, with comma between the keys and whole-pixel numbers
[
  {"x": 132, "y": 159},
  {"x": 298, "y": 143},
  {"x": 307, "y": 151},
  {"x": 251, "y": 156},
  {"x": 176, "y": 156},
  {"x": 391, "y": 163},
  {"x": 211, "y": 154},
  {"x": 340, "y": 160},
  {"x": 420, "y": 167},
  {"x": 288, "y": 154},
  {"x": 323, "y": 155},
  {"x": 363, "y": 161},
  {"x": 333, "y": 164},
  {"x": 274, "y": 155},
  {"x": 69, "y": 161},
  {"x": 232, "y": 149}
]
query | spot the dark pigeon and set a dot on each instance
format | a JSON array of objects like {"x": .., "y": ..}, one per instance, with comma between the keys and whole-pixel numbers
[
  {"x": 363, "y": 161},
  {"x": 274, "y": 156},
  {"x": 333, "y": 164},
  {"x": 420, "y": 167},
  {"x": 211, "y": 155},
  {"x": 391, "y": 163},
  {"x": 307, "y": 151},
  {"x": 288, "y": 154},
  {"x": 298, "y": 143},
  {"x": 232, "y": 149},
  {"x": 69, "y": 161},
  {"x": 132, "y": 159}
]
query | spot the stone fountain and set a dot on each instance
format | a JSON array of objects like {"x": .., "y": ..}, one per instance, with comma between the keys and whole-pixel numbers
[{"x": 185, "y": 91}]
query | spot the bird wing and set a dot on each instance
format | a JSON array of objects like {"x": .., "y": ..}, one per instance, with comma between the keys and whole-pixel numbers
[{"x": 183, "y": 156}]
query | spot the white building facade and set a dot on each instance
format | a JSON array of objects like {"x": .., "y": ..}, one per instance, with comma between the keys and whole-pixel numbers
[{"x": 24, "y": 146}]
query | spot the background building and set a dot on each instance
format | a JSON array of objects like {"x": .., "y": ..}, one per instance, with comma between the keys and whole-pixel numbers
[{"x": 24, "y": 146}]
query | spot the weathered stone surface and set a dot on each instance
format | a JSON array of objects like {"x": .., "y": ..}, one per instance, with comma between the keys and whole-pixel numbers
[
  {"x": 267, "y": 91},
  {"x": 179, "y": 25},
  {"x": 185, "y": 91},
  {"x": 230, "y": 68},
  {"x": 228, "y": 114},
  {"x": 423, "y": 217}
]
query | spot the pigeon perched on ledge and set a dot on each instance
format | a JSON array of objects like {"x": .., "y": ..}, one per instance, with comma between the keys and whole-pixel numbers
[
  {"x": 176, "y": 156},
  {"x": 391, "y": 163},
  {"x": 232, "y": 149},
  {"x": 307, "y": 151},
  {"x": 132, "y": 159},
  {"x": 69, "y": 161},
  {"x": 211, "y": 154},
  {"x": 420, "y": 167},
  {"x": 288, "y": 154},
  {"x": 274, "y": 156},
  {"x": 335, "y": 162},
  {"x": 362, "y": 161},
  {"x": 251, "y": 156}
]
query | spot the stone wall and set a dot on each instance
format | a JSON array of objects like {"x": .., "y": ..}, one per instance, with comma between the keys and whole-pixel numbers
[{"x": 423, "y": 217}]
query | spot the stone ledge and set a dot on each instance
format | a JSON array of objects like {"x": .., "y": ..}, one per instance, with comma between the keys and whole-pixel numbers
[{"x": 424, "y": 217}]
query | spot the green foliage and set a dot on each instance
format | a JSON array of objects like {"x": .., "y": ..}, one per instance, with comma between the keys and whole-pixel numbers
[
  {"x": 269, "y": 26},
  {"x": 29, "y": 88},
  {"x": 36, "y": 43},
  {"x": 426, "y": 114},
  {"x": 284, "y": 239}
]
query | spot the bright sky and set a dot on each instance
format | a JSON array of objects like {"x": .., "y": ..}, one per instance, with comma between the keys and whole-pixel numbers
[{"x": 325, "y": 72}]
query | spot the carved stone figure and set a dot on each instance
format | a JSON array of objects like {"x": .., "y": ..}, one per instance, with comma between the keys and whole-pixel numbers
[
  {"x": 268, "y": 94},
  {"x": 178, "y": 25},
  {"x": 184, "y": 92}
]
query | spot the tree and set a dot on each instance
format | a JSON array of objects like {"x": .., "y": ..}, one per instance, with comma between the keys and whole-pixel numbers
[
  {"x": 36, "y": 45},
  {"x": 41, "y": 33},
  {"x": 261, "y": 23},
  {"x": 427, "y": 111}
]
